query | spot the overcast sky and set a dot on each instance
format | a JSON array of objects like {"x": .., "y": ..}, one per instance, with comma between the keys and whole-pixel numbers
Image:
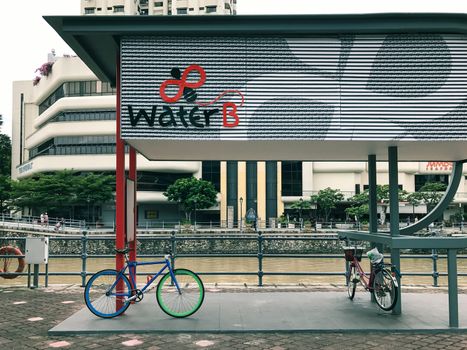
[{"x": 26, "y": 38}]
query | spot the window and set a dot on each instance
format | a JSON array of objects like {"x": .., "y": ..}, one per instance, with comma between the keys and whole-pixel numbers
[
  {"x": 191, "y": 9},
  {"x": 144, "y": 12},
  {"x": 158, "y": 4},
  {"x": 109, "y": 8},
  {"x": 201, "y": 8},
  {"x": 75, "y": 88},
  {"x": 99, "y": 9},
  {"x": 227, "y": 6},
  {"x": 211, "y": 171},
  {"x": 89, "y": 10},
  {"x": 83, "y": 116},
  {"x": 291, "y": 178},
  {"x": 211, "y": 9},
  {"x": 68, "y": 145},
  {"x": 182, "y": 11},
  {"x": 119, "y": 9},
  {"x": 421, "y": 180}
]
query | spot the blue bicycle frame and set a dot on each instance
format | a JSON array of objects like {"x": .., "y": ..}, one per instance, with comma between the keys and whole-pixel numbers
[{"x": 131, "y": 266}]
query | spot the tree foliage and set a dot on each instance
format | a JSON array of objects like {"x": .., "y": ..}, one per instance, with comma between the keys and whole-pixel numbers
[
  {"x": 60, "y": 192},
  {"x": 5, "y": 155},
  {"x": 431, "y": 193},
  {"x": 191, "y": 193},
  {"x": 5, "y": 193},
  {"x": 326, "y": 200}
]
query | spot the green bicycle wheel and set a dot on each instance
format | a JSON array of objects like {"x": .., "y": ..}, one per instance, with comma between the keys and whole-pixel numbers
[{"x": 183, "y": 302}]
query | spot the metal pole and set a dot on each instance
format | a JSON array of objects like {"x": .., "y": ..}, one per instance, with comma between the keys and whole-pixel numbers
[
  {"x": 173, "y": 246},
  {"x": 452, "y": 289},
  {"x": 84, "y": 256},
  {"x": 373, "y": 193},
  {"x": 35, "y": 279},
  {"x": 46, "y": 275},
  {"x": 260, "y": 259},
  {"x": 434, "y": 256},
  {"x": 394, "y": 219}
]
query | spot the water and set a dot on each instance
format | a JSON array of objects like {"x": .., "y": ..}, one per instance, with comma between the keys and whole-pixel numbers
[{"x": 250, "y": 265}]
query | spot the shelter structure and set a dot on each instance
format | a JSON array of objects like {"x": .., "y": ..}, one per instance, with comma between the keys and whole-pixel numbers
[{"x": 386, "y": 87}]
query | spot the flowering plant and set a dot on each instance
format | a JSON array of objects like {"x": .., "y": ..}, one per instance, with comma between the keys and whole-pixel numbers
[
  {"x": 45, "y": 69},
  {"x": 36, "y": 80}
]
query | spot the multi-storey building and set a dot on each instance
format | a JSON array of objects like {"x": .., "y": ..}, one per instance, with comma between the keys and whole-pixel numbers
[
  {"x": 67, "y": 121},
  {"x": 158, "y": 7}
]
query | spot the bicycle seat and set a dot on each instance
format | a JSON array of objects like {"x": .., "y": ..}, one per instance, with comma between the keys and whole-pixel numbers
[{"x": 122, "y": 251}]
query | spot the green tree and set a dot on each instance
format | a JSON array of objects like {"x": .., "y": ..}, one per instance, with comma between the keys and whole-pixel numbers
[
  {"x": 92, "y": 190},
  {"x": 5, "y": 155},
  {"x": 60, "y": 192},
  {"x": 326, "y": 200},
  {"x": 191, "y": 193},
  {"x": 414, "y": 199},
  {"x": 431, "y": 193},
  {"x": 302, "y": 207},
  {"x": 5, "y": 193}
]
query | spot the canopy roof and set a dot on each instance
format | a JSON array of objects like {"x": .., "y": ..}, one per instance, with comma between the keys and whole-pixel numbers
[{"x": 425, "y": 118}]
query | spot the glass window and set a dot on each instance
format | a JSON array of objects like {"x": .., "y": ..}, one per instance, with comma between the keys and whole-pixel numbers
[
  {"x": 158, "y": 4},
  {"x": 421, "y": 180},
  {"x": 291, "y": 178},
  {"x": 89, "y": 10},
  {"x": 182, "y": 11},
  {"x": 211, "y": 171},
  {"x": 119, "y": 9},
  {"x": 211, "y": 9}
]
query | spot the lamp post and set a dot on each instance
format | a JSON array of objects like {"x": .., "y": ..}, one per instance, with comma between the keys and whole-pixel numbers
[
  {"x": 461, "y": 217},
  {"x": 300, "y": 213},
  {"x": 195, "y": 213},
  {"x": 241, "y": 214}
]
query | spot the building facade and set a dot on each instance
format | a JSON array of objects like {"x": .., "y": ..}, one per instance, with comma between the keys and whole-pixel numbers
[
  {"x": 67, "y": 121},
  {"x": 158, "y": 8}
]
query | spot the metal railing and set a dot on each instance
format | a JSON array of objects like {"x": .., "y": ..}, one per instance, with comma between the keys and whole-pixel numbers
[{"x": 260, "y": 254}]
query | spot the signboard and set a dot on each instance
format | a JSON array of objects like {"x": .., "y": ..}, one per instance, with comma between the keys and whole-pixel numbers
[
  {"x": 362, "y": 87},
  {"x": 130, "y": 210}
]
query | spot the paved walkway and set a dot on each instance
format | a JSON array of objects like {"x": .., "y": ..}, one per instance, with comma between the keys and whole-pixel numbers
[{"x": 27, "y": 316}]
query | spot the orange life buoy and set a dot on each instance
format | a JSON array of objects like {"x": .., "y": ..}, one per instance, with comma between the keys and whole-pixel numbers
[{"x": 6, "y": 261}]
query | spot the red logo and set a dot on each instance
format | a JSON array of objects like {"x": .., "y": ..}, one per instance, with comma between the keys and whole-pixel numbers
[{"x": 186, "y": 89}]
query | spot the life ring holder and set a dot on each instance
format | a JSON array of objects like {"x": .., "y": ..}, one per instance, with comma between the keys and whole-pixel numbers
[{"x": 13, "y": 251}]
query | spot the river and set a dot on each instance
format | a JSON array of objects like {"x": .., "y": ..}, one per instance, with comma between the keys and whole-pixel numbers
[{"x": 250, "y": 265}]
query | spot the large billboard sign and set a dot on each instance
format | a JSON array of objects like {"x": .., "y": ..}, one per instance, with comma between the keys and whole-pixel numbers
[{"x": 395, "y": 87}]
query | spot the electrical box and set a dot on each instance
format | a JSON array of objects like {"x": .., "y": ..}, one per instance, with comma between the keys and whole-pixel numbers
[{"x": 37, "y": 250}]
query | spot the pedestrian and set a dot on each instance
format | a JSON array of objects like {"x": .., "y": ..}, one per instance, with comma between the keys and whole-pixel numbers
[
  {"x": 46, "y": 219},
  {"x": 42, "y": 219},
  {"x": 59, "y": 224}
]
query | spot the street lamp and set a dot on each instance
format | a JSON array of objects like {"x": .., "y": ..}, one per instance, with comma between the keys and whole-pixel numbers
[
  {"x": 195, "y": 213},
  {"x": 300, "y": 213},
  {"x": 241, "y": 214}
]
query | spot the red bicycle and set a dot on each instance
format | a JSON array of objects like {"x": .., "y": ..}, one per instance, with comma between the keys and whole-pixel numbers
[{"x": 381, "y": 281}]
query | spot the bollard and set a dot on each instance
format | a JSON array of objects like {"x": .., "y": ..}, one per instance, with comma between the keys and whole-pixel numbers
[
  {"x": 260, "y": 259},
  {"x": 84, "y": 255}
]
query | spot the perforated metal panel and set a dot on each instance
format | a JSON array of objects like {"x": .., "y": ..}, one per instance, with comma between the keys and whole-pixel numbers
[{"x": 364, "y": 87}]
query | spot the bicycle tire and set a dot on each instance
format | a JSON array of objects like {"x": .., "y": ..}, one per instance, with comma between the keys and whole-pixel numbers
[
  {"x": 182, "y": 304},
  {"x": 351, "y": 282},
  {"x": 105, "y": 305},
  {"x": 385, "y": 290}
]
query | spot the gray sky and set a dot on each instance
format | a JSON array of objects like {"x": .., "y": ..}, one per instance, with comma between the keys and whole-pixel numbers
[{"x": 26, "y": 38}]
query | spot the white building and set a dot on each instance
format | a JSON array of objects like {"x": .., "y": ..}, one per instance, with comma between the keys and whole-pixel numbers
[
  {"x": 158, "y": 7},
  {"x": 67, "y": 121}
]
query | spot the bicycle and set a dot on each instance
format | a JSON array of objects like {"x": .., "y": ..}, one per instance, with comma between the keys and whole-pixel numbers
[
  {"x": 381, "y": 281},
  {"x": 179, "y": 293}
]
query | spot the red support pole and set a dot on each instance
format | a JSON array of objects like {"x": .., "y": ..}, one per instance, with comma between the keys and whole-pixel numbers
[
  {"x": 132, "y": 176},
  {"x": 120, "y": 187}
]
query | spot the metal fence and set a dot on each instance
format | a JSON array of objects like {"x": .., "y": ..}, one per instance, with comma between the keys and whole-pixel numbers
[{"x": 259, "y": 240}]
